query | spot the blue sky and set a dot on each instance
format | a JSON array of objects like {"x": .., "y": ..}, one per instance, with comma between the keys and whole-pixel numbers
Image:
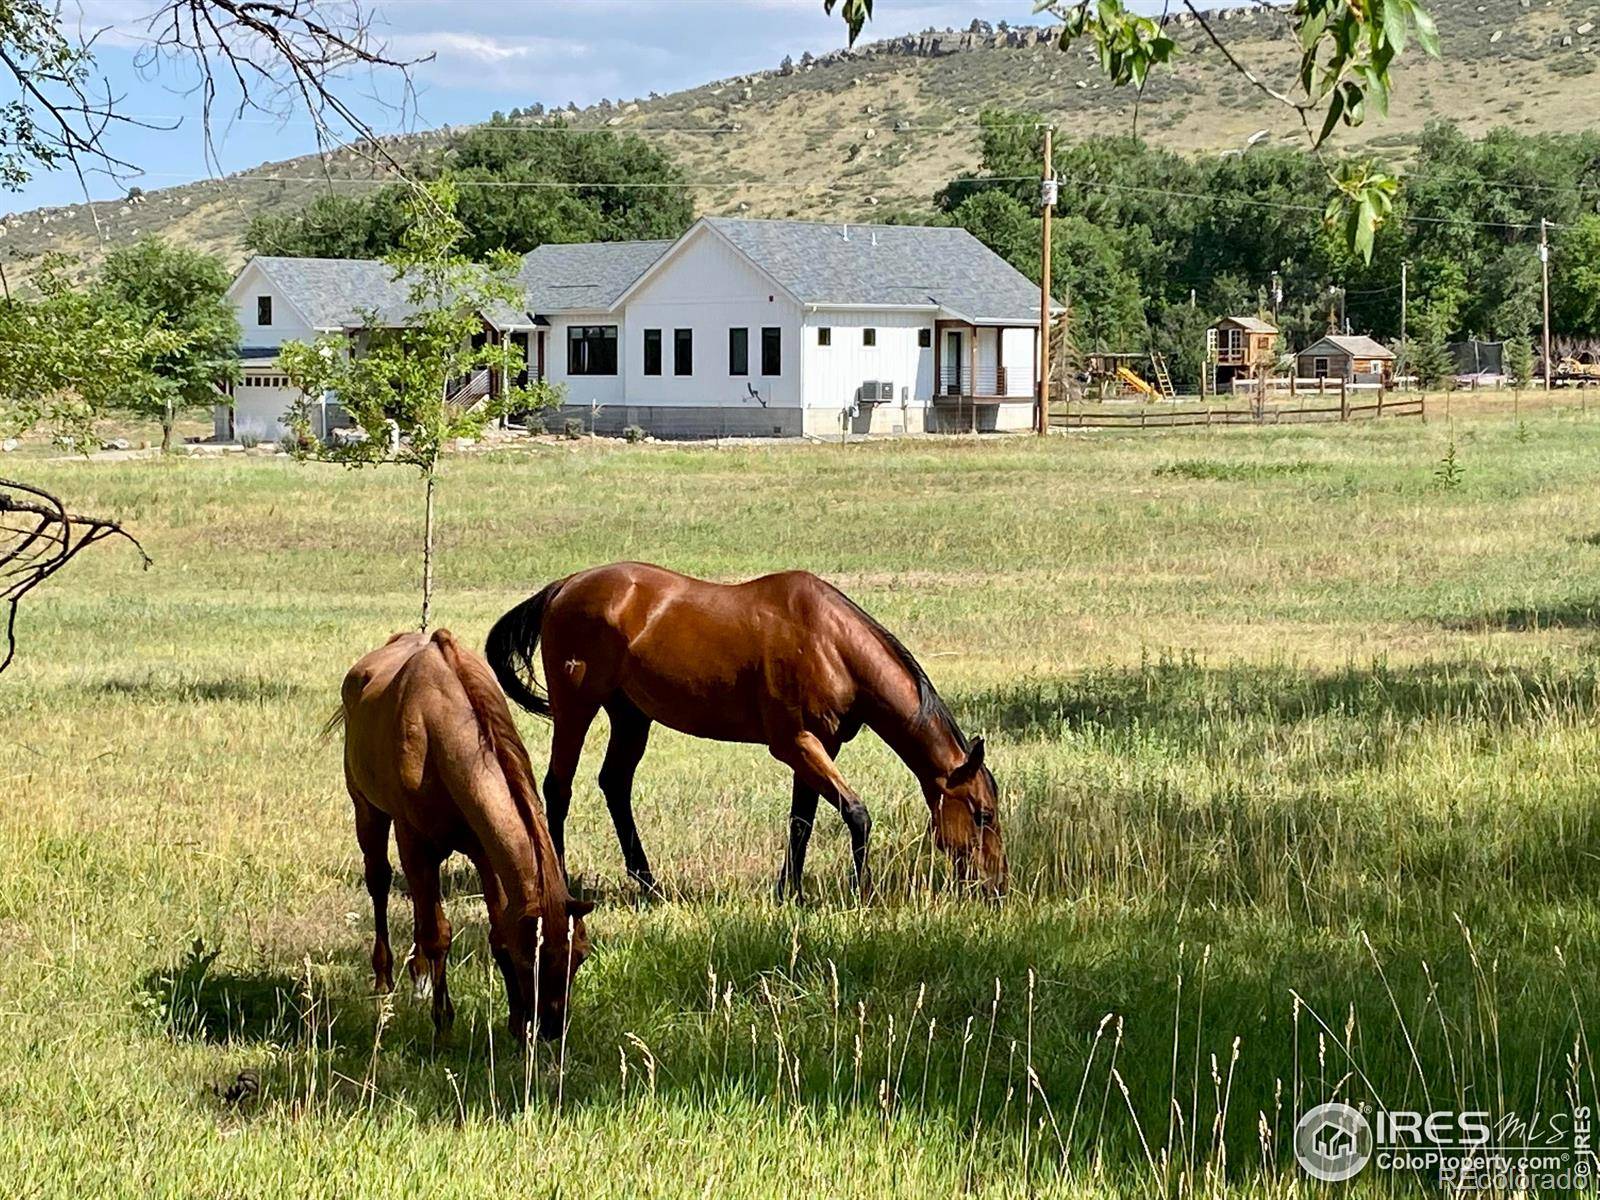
[{"x": 489, "y": 54}]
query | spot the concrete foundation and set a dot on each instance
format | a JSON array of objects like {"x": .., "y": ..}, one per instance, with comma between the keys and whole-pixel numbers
[{"x": 677, "y": 421}]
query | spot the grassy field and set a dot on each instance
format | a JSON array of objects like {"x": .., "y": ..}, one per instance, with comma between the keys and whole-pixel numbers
[{"x": 1295, "y": 731}]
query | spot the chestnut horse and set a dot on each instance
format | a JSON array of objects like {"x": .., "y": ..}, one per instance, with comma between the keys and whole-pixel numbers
[
  {"x": 786, "y": 661},
  {"x": 430, "y": 746}
]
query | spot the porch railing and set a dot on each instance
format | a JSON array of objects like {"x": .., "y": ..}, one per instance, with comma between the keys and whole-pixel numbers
[{"x": 957, "y": 379}]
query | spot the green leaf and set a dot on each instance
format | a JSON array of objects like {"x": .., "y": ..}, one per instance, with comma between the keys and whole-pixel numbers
[
  {"x": 1427, "y": 31},
  {"x": 1394, "y": 23},
  {"x": 1335, "y": 111}
]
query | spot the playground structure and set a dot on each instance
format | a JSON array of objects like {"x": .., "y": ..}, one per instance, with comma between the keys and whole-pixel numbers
[
  {"x": 1238, "y": 350},
  {"x": 1109, "y": 374},
  {"x": 1581, "y": 369}
]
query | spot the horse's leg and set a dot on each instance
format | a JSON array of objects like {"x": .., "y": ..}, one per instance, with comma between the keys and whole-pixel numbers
[
  {"x": 421, "y": 860},
  {"x": 630, "y": 732},
  {"x": 572, "y": 721},
  {"x": 372, "y": 834},
  {"x": 802, "y": 815},
  {"x": 494, "y": 899},
  {"x": 813, "y": 765}
]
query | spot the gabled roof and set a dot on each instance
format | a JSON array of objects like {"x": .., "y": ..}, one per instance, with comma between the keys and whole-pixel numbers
[
  {"x": 1250, "y": 324},
  {"x": 935, "y": 268},
  {"x": 334, "y": 293},
  {"x": 912, "y": 265},
  {"x": 344, "y": 293},
  {"x": 586, "y": 275},
  {"x": 1356, "y": 346}
]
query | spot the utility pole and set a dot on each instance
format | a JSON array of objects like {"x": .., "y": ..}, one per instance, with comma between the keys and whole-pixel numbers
[
  {"x": 1544, "y": 263},
  {"x": 1405, "y": 279},
  {"x": 1047, "y": 201}
]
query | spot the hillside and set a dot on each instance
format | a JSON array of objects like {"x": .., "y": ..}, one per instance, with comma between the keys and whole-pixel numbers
[{"x": 881, "y": 127}]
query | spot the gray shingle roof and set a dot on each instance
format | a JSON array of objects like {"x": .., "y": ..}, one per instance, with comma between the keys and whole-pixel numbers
[
  {"x": 1250, "y": 324},
  {"x": 1357, "y": 346},
  {"x": 886, "y": 264},
  {"x": 584, "y": 275},
  {"x": 332, "y": 293}
]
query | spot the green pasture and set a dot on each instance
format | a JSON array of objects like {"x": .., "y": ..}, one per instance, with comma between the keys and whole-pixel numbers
[{"x": 1296, "y": 737}]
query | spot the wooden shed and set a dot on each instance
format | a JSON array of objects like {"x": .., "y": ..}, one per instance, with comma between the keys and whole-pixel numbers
[{"x": 1354, "y": 359}]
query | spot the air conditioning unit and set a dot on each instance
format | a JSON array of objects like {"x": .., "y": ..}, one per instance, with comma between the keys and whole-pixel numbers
[
  {"x": 886, "y": 391},
  {"x": 869, "y": 392}
]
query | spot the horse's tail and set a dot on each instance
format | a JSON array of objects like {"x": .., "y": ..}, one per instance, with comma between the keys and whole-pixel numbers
[
  {"x": 511, "y": 645},
  {"x": 499, "y": 734}
]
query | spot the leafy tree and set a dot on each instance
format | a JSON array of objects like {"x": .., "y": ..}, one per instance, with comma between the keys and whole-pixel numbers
[
  {"x": 181, "y": 291},
  {"x": 67, "y": 353},
  {"x": 332, "y": 226},
  {"x": 517, "y": 186},
  {"x": 1575, "y": 285},
  {"x": 397, "y": 387},
  {"x": 1346, "y": 51},
  {"x": 1180, "y": 334}
]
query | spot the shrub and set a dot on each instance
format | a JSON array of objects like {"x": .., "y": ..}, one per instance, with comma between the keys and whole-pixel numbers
[{"x": 634, "y": 433}]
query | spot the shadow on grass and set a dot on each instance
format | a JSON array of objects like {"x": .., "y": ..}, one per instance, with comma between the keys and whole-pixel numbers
[
  {"x": 939, "y": 1013},
  {"x": 1179, "y": 698},
  {"x": 1569, "y": 614},
  {"x": 161, "y": 689}
]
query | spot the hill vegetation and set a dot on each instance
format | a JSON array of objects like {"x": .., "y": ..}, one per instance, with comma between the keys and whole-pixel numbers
[{"x": 854, "y": 133}]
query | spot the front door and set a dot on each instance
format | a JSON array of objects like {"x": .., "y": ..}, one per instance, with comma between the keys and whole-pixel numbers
[{"x": 951, "y": 383}]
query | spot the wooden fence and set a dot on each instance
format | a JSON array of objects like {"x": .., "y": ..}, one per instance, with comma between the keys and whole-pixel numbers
[{"x": 1350, "y": 406}]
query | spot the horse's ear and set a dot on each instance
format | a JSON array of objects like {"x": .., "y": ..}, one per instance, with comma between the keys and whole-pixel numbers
[
  {"x": 967, "y": 770},
  {"x": 579, "y": 908}
]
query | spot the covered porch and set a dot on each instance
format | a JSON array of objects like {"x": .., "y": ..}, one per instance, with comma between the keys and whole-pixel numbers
[{"x": 981, "y": 371}]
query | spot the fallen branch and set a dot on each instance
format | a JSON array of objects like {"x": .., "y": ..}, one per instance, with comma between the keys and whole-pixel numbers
[{"x": 38, "y": 536}]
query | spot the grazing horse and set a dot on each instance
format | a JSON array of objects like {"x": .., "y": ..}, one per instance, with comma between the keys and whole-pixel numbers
[
  {"x": 786, "y": 661},
  {"x": 430, "y": 746}
]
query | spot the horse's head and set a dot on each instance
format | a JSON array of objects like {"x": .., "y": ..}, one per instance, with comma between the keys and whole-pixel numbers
[
  {"x": 545, "y": 961},
  {"x": 966, "y": 822}
]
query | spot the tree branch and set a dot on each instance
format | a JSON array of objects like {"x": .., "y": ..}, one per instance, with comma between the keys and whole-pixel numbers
[{"x": 47, "y": 539}]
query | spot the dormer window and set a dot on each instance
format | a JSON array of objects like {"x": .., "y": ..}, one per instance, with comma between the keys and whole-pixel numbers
[{"x": 263, "y": 310}]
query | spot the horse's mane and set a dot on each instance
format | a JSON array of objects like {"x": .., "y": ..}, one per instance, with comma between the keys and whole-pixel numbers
[
  {"x": 930, "y": 705},
  {"x": 501, "y": 736}
]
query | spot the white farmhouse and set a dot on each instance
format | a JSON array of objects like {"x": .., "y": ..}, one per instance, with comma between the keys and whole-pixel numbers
[{"x": 739, "y": 327}]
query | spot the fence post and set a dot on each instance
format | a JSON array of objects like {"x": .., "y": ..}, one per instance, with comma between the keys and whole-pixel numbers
[
  {"x": 1344, "y": 401},
  {"x": 1380, "y": 401}
]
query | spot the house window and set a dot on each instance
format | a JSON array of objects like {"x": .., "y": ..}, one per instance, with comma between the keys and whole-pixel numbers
[
  {"x": 652, "y": 351},
  {"x": 592, "y": 350},
  {"x": 824, "y": 336},
  {"x": 771, "y": 351},
  {"x": 869, "y": 337},
  {"x": 683, "y": 352},
  {"x": 263, "y": 310},
  {"x": 1319, "y": 368},
  {"x": 738, "y": 352},
  {"x": 925, "y": 338}
]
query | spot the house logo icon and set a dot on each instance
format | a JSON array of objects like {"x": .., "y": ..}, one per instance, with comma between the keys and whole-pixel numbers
[{"x": 1332, "y": 1142}]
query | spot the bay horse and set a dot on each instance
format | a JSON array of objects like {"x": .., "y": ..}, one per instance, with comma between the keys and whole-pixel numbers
[
  {"x": 430, "y": 747},
  {"x": 787, "y": 661}
]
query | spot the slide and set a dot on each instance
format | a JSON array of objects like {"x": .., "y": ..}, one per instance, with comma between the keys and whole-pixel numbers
[{"x": 1133, "y": 381}]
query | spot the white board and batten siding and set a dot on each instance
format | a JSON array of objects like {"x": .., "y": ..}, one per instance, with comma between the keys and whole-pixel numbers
[
  {"x": 262, "y": 397},
  {"x": 834, "y": 374},
  {"x": 709, "y": 288},
  {"x": 583, "y": 391}
]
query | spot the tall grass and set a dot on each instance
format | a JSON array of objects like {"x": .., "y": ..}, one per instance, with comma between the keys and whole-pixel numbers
[{"x": 1296, "y": 756}]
